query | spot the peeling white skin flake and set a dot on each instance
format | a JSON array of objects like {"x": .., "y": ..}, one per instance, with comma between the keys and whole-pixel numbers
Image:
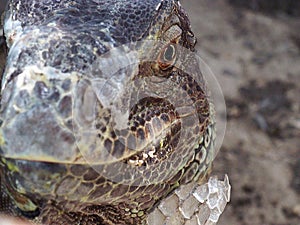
[
  {"x": 193, "y": 204},
  {"x": 12, "y": 28}
]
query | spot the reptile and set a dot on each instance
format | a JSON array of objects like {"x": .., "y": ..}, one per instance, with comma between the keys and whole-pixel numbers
[{"x": 100, "y": 120}]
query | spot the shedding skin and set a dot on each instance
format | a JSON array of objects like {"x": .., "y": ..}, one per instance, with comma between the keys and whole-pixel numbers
[{"x": 86, "y": 142}]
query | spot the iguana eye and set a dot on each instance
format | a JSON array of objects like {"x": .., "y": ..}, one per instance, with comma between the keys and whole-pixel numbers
[{"x": 167, "y": 56}]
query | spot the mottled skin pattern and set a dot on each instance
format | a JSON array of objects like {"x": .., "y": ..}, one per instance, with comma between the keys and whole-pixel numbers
[{"x": 56, "y": 48}]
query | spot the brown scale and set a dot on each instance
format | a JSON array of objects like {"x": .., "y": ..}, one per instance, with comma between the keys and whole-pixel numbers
[
  {"x": 6, "y": 203},
  {"x": 140, "y": 120},
  {"x": 195, "y": 92},
  {"x": 200, "y": 100},
  {"x": 148, "y": 117}
]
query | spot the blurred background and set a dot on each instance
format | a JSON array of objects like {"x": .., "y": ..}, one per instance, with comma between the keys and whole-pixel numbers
[
  {"x": 2, "y": 46},
  {"x": 253, "y": 48},
  {"x": 2, "y": 5}
]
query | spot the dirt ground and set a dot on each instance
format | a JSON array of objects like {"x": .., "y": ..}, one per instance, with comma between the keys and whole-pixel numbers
[
  {"x": 256, "y": 58},
  {"x": 255, "y": 55}
]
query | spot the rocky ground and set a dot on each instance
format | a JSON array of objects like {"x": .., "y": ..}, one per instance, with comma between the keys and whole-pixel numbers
[{"x": 254, "y": 50}]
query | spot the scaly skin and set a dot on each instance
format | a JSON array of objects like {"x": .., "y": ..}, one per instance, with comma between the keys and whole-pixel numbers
[{"x": 82, "y": 140}]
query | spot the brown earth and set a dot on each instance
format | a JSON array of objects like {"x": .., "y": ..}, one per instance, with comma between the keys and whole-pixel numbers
[{"x": 255, "y": 55}]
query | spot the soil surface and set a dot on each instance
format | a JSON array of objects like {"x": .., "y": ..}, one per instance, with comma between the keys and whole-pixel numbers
[{"x": 254, "y": 51}]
